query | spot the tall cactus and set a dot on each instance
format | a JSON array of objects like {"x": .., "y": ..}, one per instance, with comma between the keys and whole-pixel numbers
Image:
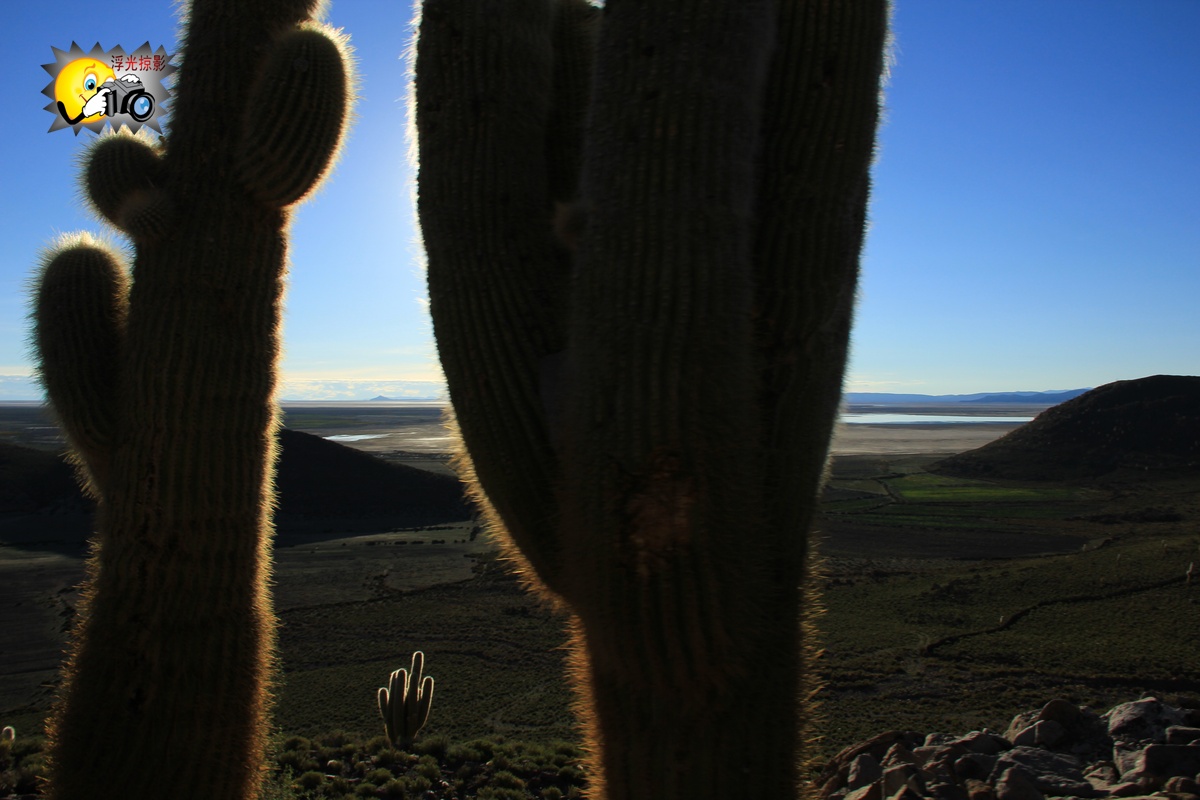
[
  {"x": 163, "y": 383},
  {"x": 643, "y": 227}
]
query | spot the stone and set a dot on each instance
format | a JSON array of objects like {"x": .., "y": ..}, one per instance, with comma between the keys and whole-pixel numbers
[
  {"x": 898, "y": 754},
  {"x": 1127, "y": 789},
  {"x": 1126, "y": 758},
  {"x": 938, "y": 762},
  {"x": 1020, "y": 722},
  {"x": 1182, "y": 734},
  {"x": 1161, "y": 761},
  {"x": 1017, "y": 784},
  {"x": 978, "y": 790},
  {"x": 1142, "y": 721},
  {"x": 1053, "y": 773},
  {"x": 1102, "y": 776},
  {"x": 833, "y": 777},
  {"x": 924, "y": 754},
  {"x": 1143, "y": 749},
  {"x": 907, "y": 793},
  {"x": 984, "y": 742},
  {"x": 946, "y": 791},
  {"x": 1088, "y": 737},
  {"x": 1065, "y": 713},
  {"x": 1045, "y": 732},
  {"x": 897, "y": 777},
  {"x": 869, "y": 792},
  {"x": 975, "y": 765},
  {"x": 864, "y": 770},
  {"x": 1181, "y": 785}
]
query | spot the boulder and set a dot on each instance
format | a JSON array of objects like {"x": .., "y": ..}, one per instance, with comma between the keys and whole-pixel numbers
[
  {"x": 1181, "y": 785},
  {"x": 1127, "y": 789},
  {"x": 898, "y": 754},
  {"x": 1182, "y": 734},
  {"x": 978, "y": 790},
  {"x": 1053, "y": 773},
  {"x": 833, "y": 777},
  {"x": 900, "y": 776},
  {"x": 1102, "y": 777},
  {"x": 864, "y": 770},
  {"x": 868, "y": 792},
  {"x": 1044, "y": 732},
  {"x": 1142, "y": 721},
  {"x": 1158, "y": 762},
  {"x": 976, "y": 766},
  {"x": 907, "y": 793},
  {"x": 1065, "y": 713},
  {"x": 1017, "y": 784},
  {"x": 984, "y": 742}
]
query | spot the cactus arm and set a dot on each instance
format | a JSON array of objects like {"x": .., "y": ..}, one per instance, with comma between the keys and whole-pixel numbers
[
  {"x": 295, "y": 115},
  {"x": 171, "y": 664},
  {"x": 822, "y": 107},
  {"x": 390, "y": 700},
  {"x": 81, "y": 302},
  {"x": 496, "y": 278},
  {"x": 575, "y": 28},
  {"x": 123, "y": 177}
]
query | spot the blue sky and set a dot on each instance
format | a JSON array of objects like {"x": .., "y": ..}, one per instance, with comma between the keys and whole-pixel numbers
[{"x": 1035, "y": 222}]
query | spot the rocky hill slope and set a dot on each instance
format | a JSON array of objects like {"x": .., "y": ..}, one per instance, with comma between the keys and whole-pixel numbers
[{"x": 1144, "y": 426}]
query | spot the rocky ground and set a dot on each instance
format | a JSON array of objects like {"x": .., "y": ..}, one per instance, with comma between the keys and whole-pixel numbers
[{"x": 1144, "y": 748}]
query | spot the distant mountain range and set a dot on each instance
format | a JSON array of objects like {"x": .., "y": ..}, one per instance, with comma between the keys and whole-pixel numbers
[{"x": 1040, "y": 398}]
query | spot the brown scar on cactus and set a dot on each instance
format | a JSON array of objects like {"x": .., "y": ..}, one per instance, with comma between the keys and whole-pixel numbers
[{"x": 659, "y": 511}]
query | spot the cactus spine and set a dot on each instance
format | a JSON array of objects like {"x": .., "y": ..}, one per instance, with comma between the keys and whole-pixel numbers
[
  {"x": 164, "y": 385},
  {"x": 405, "y": 702},
  {"x": 646, "y": 394}
]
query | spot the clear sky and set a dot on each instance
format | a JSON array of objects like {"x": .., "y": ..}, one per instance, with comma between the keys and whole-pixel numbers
[{"x": 1035, "y": 218}]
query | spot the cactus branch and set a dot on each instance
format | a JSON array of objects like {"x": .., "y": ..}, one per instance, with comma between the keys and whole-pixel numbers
[{"x": 80, "y": 309}]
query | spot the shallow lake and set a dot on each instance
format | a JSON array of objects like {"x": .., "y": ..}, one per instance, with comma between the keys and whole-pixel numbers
[{"x": 927, "y": 419}]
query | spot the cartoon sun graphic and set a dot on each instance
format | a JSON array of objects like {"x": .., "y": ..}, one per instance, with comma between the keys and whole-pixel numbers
[{"x": 76, "y": 84}]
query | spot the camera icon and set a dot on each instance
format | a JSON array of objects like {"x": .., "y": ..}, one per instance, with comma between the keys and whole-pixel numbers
[{"x": 128, "y": 95}]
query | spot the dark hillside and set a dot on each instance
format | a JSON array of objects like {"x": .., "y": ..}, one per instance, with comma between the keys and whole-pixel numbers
[
  {"x": 317, "y": 479},
  {"x": 31, "y": 480},
  {"x": 1145, "y": 426},
  {"x": 320, "y": 478}
]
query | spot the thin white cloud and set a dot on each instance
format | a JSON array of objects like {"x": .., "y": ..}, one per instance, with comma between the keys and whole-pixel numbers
[
  {"x": 856, "y": 383},
  {"x": 358, "y": 390},
  {"x": 20, "y": 388}
]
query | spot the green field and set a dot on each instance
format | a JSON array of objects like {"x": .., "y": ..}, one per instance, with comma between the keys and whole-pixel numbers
[{"x": 951, "y": 605}]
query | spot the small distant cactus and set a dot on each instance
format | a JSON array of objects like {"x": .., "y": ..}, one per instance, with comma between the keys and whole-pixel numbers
[
  {"x": 8, "y": 734},
  {"x": 163, "y": 379},
  {"x": 405, "y": 702}
]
